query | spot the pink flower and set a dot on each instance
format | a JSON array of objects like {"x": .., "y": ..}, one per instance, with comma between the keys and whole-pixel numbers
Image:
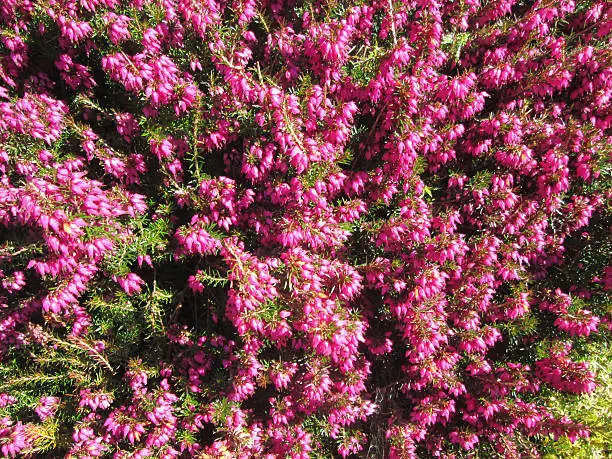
[
  {"x": 580, "y": 323},
  {"x": 117, "y": 27},
  {"x": 130, "y": 283},
  {"x": 46, "y": 407}
]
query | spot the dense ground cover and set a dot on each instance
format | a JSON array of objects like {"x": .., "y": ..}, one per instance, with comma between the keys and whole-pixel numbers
[{"x": 305, "y": 228}]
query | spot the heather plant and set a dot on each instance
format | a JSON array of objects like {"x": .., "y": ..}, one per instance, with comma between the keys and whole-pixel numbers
[{"x": 235, "y": 229}]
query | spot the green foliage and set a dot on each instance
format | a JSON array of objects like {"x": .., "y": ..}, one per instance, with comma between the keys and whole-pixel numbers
[
  {"x": 453, "y": 43},
  {"x": 150, "y": 236},
  {"x": 212, "y": 277},
  {"x": 364, "y": 63}
]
